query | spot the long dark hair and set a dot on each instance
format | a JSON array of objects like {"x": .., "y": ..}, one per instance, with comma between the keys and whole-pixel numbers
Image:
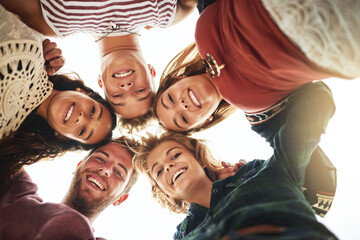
[{"x": 36, "y": 140}]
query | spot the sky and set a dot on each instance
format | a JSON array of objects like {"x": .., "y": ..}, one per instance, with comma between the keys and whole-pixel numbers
[{"x": 141, "y": 217}]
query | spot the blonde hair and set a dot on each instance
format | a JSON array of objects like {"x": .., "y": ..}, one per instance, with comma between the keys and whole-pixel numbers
[
  {"x": 137, "y": 124},
  {"x": 185, "y": 64},
  {"x": 195, "y": 146}
]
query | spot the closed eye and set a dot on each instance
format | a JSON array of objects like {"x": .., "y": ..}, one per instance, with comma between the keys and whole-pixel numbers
[
  {"x": 170, "y": 98},
  {"x": 92, "y": 111},
  {"x": 118, "y": 95},
  {"x": 81, "y": 131},
  {"x": 159, "y": 173},
  {"x": 176, "y": 156},
  {"x": 140, "y": 90},
  {"x": 100, "y": 159},
  {"x": 119, "y": 174},
  {"x": 184, "y": 119}
]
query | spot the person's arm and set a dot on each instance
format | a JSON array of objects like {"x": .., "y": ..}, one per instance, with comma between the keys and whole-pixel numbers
[
  {"x": 184, "y": 9},
  {"x": 306, "y": 121}
]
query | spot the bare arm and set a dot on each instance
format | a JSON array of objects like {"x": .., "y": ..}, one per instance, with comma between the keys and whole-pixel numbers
[
  {"x": 183, "y": 9},
  {"x": 29, "y": 11}
]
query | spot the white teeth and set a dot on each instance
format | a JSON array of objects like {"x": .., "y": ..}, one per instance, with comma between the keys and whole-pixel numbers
[
  {"x": 96, "y": 182},
  {"x": 180, "y": 171},
  {"x": 193, "y": 98},
  {"x": 123, "y": 74},
  {"x": 69, "y": 113}
]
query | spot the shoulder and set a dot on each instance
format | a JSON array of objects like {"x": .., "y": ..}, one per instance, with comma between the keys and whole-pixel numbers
[{"x": 69, "y": 224}]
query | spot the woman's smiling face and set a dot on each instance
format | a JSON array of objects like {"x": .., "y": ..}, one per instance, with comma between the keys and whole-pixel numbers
[
  {"x": 188, "y": 103},
  {"x": 76, "y": 116},
  {"x": 175, "y": 169}
]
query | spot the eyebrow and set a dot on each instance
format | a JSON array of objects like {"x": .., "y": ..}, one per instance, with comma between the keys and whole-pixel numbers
[
  {"x": 100, "y": 151},
  {"x": 147, "y": 96},
  {"x": 123, "y": 167},
  {"x": 90, "y": 134},
  {"x": 117, "y": 104},
  {"x": 140, "y": 100},
  {"x": 162, "y": 102},
  {"x": 177, "y": 124},
  {"x": 100, "y": 114},
  {"x": 167, "y": 153}
]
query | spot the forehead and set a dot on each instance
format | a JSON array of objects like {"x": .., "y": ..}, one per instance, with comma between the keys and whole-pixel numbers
[
  {"x": 158, "y": 154},
  {"x": 103, "y": 127},
  {"x": 165, "y": 116},
  {"x": 116, "y": 152}
]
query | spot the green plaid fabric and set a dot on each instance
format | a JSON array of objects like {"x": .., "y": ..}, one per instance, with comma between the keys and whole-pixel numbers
[{"x": 269, "y": 192}]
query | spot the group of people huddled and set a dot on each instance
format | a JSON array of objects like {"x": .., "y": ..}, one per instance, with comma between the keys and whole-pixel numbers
[{"x": 264, "y": 57}]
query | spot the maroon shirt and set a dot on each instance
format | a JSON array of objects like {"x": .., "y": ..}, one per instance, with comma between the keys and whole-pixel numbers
[
  {"x": 24, "y": 215},
  {"x": 261, "y": 65}
]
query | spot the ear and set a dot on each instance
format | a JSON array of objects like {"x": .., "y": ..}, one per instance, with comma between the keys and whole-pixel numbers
[
  {"x": 100, "y": 82},
  {"x": 83, "y": 91},
  {"x": 152, "y": 70},
  {"x": 121, "y": 199},
  {"x": 207, "y": 122}
]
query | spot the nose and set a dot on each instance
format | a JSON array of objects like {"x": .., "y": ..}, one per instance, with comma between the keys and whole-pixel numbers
[
  {"x": 169, "y": 166},
  {"x": 105, "y": 171},
  {"x": 80, "y": 118},
  {"x": 183, "y": 104},
  {"x": 126, "y": 86}
]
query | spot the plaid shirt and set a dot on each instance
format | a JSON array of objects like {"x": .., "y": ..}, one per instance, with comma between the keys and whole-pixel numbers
[{"x": 269, "y": 192}]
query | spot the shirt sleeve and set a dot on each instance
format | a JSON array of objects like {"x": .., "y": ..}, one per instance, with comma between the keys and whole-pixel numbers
[
  {"x": 68, "y": 225},
  {"x": 300, "y": 134}
]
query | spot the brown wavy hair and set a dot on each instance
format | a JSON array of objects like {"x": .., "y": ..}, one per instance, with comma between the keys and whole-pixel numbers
[
  {"x": 137, "y": 124},
  {"x": 185, "y": 64},
  {"x": 35, "y": 140},
  {"x": 195, "y": 146}
]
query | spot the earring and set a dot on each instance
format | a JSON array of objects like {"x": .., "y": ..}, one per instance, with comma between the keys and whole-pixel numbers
[
  {"x": 207, "y": 122},
  {"x": 56, "y": 133},
  {"x": 152, "y": 70},
  {"x": 100, "y": 81}
]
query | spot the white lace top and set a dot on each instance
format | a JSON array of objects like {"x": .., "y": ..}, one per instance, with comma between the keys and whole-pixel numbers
[
  {"x": 326, "y": 31},
  {"x": 24, "y": 83}
]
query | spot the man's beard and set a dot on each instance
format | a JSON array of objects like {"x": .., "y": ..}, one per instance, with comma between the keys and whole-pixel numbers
[{"x": 83, "y": 201}]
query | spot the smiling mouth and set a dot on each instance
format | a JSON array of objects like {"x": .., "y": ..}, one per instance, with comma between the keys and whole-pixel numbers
[
  {"x": 96, "y": 183},
  {"x": 177, "y": 174},
  {"x": 193, "y": 98},
  {"x": 68, "y": 114},
  {"x": 123, "y": 74}
]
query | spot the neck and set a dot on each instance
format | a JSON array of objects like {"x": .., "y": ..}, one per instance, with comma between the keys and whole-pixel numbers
[
  {"x": 202, "y": 194},
  {"x": 125, "y": 42}
]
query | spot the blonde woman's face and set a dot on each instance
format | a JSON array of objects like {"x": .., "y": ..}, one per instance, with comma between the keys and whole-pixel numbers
[
  {"x": 188, "y": 103},
  {"x": 175, "y": 170}
]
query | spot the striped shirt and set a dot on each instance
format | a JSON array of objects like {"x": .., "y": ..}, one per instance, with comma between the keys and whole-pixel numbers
[{"x": 96, "y": 17}]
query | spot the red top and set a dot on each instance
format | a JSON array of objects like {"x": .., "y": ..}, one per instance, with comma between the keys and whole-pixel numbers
[{"x": 261, "y": 65}]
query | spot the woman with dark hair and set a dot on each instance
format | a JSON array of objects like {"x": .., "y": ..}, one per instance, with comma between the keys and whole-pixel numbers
[{"x": 42, "y": 116}]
